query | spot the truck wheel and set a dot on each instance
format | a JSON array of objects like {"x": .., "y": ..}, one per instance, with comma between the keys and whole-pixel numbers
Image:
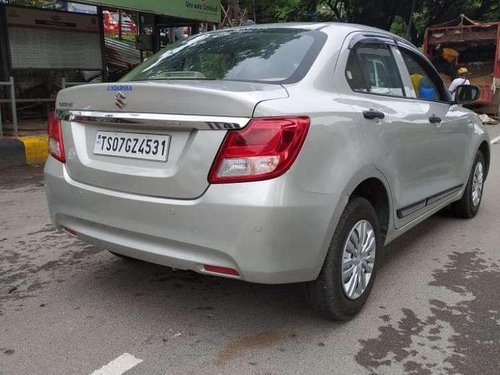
[
  {"x": 468, "y": 206},
  {"x": 346, "y": 279}
]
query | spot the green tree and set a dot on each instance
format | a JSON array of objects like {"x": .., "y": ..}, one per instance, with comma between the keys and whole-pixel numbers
[
  {"x": 32, "y": 3},
  {"x": 279, "y": 10},
  {"x": 434, "y": 12},
  {"x": 392, "y": 15}
]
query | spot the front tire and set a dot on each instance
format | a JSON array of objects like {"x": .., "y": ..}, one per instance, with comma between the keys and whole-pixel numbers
[
  {"x": 346, "y": 279},
  {"x": 468, "y": 206}
]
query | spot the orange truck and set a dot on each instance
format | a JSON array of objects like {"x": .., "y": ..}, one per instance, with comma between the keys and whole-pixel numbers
[{"x": 474, "y": 45}]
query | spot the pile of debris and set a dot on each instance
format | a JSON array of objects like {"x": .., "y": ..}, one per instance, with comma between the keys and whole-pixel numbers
[{"x": 487, "y": 120}]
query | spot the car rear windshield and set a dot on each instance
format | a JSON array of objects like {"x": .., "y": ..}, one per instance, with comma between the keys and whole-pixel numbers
[{"x": 281, "y": 55}]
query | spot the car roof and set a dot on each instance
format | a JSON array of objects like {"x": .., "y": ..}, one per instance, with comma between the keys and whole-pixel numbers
[
  {"x": 340, "y": 27},
  {"x": 314, "y": 26}
]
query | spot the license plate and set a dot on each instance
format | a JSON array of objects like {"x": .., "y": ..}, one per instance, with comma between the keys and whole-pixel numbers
[{"x": 131, "y": 145}]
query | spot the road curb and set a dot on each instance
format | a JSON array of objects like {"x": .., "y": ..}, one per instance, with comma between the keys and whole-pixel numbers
[
  {"x": 23, "y": 150},
  {"x": 12, "y": 153},
  {"x": 36, "y": 148}
]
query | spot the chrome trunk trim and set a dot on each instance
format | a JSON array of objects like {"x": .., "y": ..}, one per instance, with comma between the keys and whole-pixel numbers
[{"x": 155, "y": 120}]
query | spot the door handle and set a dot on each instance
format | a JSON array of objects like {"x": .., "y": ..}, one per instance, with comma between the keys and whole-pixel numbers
[
  {"x": 435, "y": 119},
  {"x": 373, "y": 114}
]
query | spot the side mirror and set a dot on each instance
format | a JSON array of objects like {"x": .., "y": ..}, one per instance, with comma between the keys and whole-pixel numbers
[{"x": 467, "y": 94}]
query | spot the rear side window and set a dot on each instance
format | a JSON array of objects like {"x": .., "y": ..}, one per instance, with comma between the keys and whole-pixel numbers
[
  {"x": 354, "y": 74},
  {"x": 421, "y": 76},
  {"x": 277, "y": 55},
  {"x": 373, "y": 69}
]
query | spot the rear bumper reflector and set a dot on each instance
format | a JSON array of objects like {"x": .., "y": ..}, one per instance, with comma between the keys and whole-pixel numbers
[
  {"x": 221, "y": 270},
  {"x": 70, "y": 231}
]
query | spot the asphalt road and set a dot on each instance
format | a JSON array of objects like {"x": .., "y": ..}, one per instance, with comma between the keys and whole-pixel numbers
[{"x": 69, "y": 308}]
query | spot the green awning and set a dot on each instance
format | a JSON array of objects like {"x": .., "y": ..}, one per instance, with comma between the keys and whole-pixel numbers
[{"x": 199, "y": 10}]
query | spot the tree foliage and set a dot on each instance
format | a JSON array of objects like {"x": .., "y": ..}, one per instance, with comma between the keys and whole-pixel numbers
[
  {"x": 33, "y": 3},
  {"x": 392, "y": 15}
]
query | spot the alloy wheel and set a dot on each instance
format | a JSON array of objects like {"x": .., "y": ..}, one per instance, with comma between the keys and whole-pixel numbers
[
  {"x": 477, "y": 184},
  {"x": 358, "y": 259}
]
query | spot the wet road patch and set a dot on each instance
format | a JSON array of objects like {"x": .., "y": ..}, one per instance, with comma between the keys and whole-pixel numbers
[{"x": 466, "y": 334}]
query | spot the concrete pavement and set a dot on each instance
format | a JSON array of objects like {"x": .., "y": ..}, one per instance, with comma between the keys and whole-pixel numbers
[{"x": 69, "y": 308}]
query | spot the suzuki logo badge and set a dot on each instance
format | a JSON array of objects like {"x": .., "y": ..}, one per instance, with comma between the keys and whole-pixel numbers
[{"x": 120, "y": 100}]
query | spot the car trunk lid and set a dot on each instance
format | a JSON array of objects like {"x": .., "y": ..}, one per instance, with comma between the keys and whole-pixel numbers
[{"x": 190, "y": 117}]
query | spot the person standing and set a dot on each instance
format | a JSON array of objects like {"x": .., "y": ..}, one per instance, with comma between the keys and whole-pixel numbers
[
  {"x": 451, "y": 55},
  {"x": 459, "y": 81},
  {"x": 448, "y": 60}
]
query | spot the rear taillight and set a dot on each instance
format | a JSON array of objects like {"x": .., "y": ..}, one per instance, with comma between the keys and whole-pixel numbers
[
  {"x": 56, "y": 147},
  {"x": 266, "y": 148}
]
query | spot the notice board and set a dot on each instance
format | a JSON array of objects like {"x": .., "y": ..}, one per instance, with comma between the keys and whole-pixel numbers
[{"x": 46, "y": 39}]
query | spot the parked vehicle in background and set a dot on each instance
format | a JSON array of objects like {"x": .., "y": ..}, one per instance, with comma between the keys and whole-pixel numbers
[
  {"x": 270, "y": 154},
  {"x": 111, "y": 23},
  {"x": 477, "y": 48}
]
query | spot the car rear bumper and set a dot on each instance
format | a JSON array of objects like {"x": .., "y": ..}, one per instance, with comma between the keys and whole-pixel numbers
[{"x": 268, "y": 231}]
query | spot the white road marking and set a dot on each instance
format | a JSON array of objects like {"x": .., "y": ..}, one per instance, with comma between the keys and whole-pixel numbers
[
  {"x": 495, "y": 140},
  {"x": 120, "y": 365}
]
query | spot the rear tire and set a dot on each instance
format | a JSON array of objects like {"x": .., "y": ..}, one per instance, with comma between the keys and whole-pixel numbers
[
  {"x": 330, "y": 294},
  {"x": 468, "y": 206}
]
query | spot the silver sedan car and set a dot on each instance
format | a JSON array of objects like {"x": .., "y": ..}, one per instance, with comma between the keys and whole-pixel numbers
[{"x": 271, "y": 154}]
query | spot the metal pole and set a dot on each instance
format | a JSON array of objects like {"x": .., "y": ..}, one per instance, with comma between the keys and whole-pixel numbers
[
  {"x": 14, "y": 107},
  {"x": 1, "y": 131},
  {"x": 410, "y": 21},
  {"x": 140, "y": 32},
  {"x": 63, "y": 83},
  {"x": 103, "y": 43},
  {"x": 120, "y": 35},
  {"x": 171, "y": 32}
]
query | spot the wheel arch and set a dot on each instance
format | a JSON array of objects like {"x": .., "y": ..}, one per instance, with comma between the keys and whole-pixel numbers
[
  {"x": 375, "y": 191},
  {"x": 484, "y": 147},
  {"x": 362, "y": 184}
]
